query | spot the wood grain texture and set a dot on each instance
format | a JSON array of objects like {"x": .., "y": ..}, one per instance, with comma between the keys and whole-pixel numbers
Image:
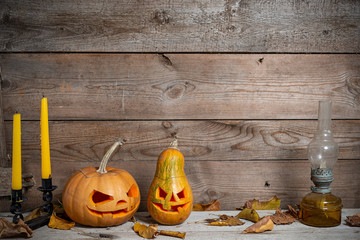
[
  {"x": 232, "y": 182},
  {"x": 180, "y": 86},
  {"x": 84, "y": 141},
  {"x": 196, "y": 229},
  {"x": 6, "y": 181},
  {"x": 4, "y": 161},
  {"x": 180, "y": 26},
  {"x": 5, "y": 178}
]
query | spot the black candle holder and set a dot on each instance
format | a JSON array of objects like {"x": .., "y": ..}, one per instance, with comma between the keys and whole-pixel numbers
[
  {"x": 15, "y": 208},
  {"x": 47, "y": 189},
  {"x": 47, "y": 207}
]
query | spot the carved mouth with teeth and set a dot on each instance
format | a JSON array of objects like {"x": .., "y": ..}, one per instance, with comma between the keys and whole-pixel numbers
[
  {"x": 174, "y": 208},
  {"x": 117, "y": 213}
]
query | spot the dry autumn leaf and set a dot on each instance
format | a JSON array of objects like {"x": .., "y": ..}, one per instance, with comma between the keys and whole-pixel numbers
[
  {"x": 225, "y": 220},
  {"x": 59, "y": 223},
  {"x": 138, "y": 227},
  {"x": 280, "y": 218},
  {"x": 354, "y": 220},
  {"x": 265, "y": 224},
  {"x": 293, "y": 212},
  {"x": 173, "y": 234},
  {"x": 211, "y": 206},
  {"x": 34, "y": 214},
  {"x": 10, "y": 230},
  {"x": 147, "y": 232},
  {"x": 249, "y": 214},
  {"x": 271, "y": 204},
  {"x": 58, "y": 209}
]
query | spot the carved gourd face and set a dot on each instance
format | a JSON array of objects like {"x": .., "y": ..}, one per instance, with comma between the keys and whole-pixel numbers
[
  {"x": 170, "y": 197},
  {"x": 99, "y": 200},
  {"x": 171, "y": 201}
]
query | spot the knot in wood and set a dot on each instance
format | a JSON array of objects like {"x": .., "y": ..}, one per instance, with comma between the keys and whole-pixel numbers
[
  {"x": 166, "y": 124},
  {"x": 161, "y": 17},
  {"x": 175, "y": 92}
]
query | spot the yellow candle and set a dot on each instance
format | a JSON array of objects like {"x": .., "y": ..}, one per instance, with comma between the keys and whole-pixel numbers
[
  {"x": 16, "y": 155},
  {"x": 45, "y": 148}
]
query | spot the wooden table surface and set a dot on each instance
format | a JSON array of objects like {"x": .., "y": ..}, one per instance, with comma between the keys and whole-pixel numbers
[{"x": 196, "y": 229}]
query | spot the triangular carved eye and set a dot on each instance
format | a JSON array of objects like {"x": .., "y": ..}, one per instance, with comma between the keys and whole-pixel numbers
[
  {"x": 99, "y": 198},
  {"x": 133, "y": 191},
  {"x": 181, "y": 194},
  {"x": 172, "y": 198},
  {"x": 161, "y": 194}
]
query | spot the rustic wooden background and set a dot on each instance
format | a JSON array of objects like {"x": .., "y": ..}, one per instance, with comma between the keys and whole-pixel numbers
[{"x": 237, "y": 81}]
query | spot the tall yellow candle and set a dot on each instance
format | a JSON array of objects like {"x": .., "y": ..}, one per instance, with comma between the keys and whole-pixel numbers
[
  {"x": 45, "y": 148},
  {"x": 16, "y": 154}
]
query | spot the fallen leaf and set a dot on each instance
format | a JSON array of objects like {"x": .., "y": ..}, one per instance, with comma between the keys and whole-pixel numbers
[
  {"x": 354, "y": 220},
  {"x": 293, "y": 212},
  {"x": 58, "y": 209},
  {"x": 280, "y": 218},
  {"x": 59, "y": 223},
  {"x": 224, "y": 217},
  {"x": 225, "y": 220},
  {"x": 138, "y": 227},
  {"x": 60, "y": 212},
  {"x": 271, "y": 204},
  {"x": 147, "y": 232},
  {"x": 173, "y": 234},
  {"x": 218, "y": 223},
  {"x": 249, "y": 214},
  {"x": 265, "y": 224},
  {"x": 9, "y": 229},
  {"x": 211, "y": 206},
  {"x": 34, "y": 214}
]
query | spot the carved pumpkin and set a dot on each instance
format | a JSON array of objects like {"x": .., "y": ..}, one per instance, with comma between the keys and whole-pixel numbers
[
  {"x": 170, "y": 199},
  {"x": 103, "y": 197}
]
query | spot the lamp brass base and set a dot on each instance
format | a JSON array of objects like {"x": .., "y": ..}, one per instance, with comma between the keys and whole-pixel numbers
[{"x": 320, "y": 210}]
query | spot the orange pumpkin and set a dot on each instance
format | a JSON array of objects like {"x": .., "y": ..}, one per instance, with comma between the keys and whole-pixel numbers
[
  {"x": 101, "y": 197},
  {"x": 170, "y": 198}
]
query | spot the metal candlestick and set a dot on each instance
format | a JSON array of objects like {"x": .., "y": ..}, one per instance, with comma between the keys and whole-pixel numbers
[
  {"x": 15, "y": 208},
  {"x": 47, "y": 189},
  {"x": 47, "y": 207}
]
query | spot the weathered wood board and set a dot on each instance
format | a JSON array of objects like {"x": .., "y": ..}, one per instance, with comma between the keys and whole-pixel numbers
[
  {"x": 180, "y": 86},
  {"x": 232, "y": 182},
  {"x": 87, "y": 141},
  {"x": 3, "y": 154},
  {"x": 180, "y": 26},
  {"x": 196, "y": 229},
  {"x": 5, "y": 179}
]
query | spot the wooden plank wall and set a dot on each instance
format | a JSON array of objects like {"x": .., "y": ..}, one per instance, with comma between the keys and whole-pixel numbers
[{"x": 238, "y": 82}]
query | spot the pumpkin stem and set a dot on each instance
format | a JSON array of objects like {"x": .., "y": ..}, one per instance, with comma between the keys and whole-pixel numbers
[
  {"x": 174, "y": 143},
  {"x": 104, "y": 161}
]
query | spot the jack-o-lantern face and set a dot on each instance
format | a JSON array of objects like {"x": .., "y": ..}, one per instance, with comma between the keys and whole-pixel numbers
[
  {"x": 170, "y": 202},
  {"x": 96, "y": 199},
  {"x": 102, "y": 204}
]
